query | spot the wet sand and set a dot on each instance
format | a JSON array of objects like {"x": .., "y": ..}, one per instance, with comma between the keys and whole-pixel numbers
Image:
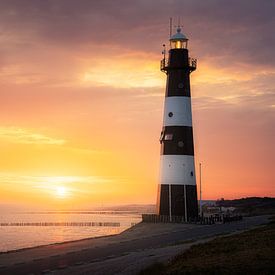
[{"x": 126, "y": 253}]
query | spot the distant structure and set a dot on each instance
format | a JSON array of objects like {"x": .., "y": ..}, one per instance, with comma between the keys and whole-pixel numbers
[{"x": 177, "y": 191}]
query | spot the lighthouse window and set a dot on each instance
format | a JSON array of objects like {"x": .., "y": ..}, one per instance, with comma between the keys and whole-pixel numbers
[
  {"x": 168, "y": 137},
  {"x": 170, "y": 114},
  {"x": 192, "y": 174},
  {"x": 180, "y": 144},
  {"x": 161, "y": 136}
]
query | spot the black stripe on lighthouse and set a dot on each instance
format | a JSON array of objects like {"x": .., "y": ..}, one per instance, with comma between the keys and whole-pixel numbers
[
  {"x": 177, "y": 140},
  {"x": 178, "y": 77},
  {"x": 178, "y": 83},
  {"x": 178, "y": 200}
]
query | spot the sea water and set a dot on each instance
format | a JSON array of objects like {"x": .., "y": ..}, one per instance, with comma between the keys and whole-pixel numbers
[{"x": 28, "y": 229}]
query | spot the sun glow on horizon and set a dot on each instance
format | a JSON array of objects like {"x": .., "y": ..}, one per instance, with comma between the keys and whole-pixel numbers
[
  {"x": 61, "y": 192},
  {"x": 56, "y": 185}
]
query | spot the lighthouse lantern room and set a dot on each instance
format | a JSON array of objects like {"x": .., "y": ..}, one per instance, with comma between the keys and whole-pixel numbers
[{"x": 179, "y": 40}]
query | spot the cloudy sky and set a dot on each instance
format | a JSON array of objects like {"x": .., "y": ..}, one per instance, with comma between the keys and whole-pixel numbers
[{"x": 81, "y": 98}]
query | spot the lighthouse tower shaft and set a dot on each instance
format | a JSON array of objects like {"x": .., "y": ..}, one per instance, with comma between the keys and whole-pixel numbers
[{"x": 177, "y": 192}]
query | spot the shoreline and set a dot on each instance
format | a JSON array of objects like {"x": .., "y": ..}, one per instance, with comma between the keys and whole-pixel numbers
[
  {"x": 65, "y": 242},
  {"x": 58, "y": 243},
  {"x": 132, "y": 249}
]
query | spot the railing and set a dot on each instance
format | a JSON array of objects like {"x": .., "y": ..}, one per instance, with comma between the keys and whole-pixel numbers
[
  {"x": 154, "y": 218},
  {"x": 192, "y": 64},
  {"x": 163, "y": 65}
]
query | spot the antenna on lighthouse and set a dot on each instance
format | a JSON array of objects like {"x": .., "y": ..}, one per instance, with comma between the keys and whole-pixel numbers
[
  {"x": 200, "y": 193},
  {"x": 171, "y": 22},
  {"x": 170, "y": 26},
  {"x": 164, "y": 51}
]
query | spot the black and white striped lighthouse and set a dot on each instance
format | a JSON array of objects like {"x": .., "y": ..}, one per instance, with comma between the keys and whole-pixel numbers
[{"x": 177, "y": 191}]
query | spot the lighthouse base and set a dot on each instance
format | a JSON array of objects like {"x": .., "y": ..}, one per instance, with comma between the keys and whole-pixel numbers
[{"x": 183, "y": 200}]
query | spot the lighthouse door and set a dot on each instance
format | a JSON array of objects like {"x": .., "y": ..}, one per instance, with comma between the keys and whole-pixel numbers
[{"x": 178, "y": 201}]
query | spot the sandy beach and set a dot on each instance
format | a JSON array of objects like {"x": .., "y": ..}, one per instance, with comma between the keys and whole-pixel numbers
[{"x": 126, "y": 253}]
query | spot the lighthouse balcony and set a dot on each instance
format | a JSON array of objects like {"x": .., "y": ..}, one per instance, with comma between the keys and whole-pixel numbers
[
  {"x": 192, "y": 64},
  {"x": 164, "y": 65}
]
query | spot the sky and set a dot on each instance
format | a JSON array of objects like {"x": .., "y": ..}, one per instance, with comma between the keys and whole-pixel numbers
[{"x": 81, "y": 98}]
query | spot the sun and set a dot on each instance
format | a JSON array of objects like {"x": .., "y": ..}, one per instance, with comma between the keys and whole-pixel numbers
[{"x": 61, "y": 192}]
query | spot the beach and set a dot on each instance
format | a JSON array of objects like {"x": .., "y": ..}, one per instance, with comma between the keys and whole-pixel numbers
[{"x": 126, "y": 253}]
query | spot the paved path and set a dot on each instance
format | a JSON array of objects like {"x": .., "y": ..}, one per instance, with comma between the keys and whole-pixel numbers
[{"x": 125, "y": 253}]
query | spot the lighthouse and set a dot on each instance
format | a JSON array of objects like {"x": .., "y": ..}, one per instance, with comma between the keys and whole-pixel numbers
[{"x": 177, "y": 191}]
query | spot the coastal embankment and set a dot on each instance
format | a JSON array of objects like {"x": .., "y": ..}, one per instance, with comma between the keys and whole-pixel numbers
[{"x": 126, "y": 253}]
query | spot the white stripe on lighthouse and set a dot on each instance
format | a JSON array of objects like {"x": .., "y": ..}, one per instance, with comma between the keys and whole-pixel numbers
[
  {"x": 177, "y": 169},
  {"x": 177, "y": 111}
]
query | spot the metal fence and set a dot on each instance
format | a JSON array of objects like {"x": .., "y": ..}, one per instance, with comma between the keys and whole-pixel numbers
[{"x": 213, "y": 219}]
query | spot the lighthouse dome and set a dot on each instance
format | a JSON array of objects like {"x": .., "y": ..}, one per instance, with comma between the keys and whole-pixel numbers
[{"x": 179, "y": 36}]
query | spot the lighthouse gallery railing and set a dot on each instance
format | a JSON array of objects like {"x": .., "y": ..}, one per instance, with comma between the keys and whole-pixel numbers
[{"x": 192, "y": 62}]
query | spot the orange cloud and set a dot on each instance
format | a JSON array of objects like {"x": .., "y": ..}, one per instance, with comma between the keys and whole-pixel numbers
[{"x": 23, "y": 136}]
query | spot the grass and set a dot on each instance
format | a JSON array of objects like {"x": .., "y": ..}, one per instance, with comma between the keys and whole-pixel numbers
[{"x": 251, "y": 252}]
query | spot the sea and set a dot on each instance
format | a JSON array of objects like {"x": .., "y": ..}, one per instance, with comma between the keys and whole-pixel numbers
[{"x": 35, "y": 228}]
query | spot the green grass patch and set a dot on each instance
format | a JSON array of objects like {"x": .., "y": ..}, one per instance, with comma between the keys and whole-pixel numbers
[{"x": 251, "y": 252}]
